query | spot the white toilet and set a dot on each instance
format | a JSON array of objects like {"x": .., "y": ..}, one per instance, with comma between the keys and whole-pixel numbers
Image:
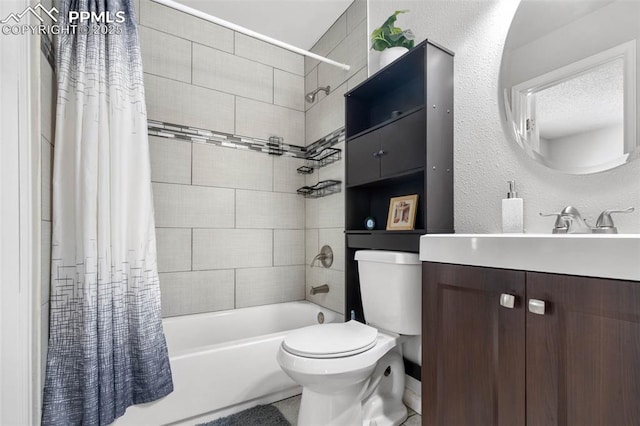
[{"x": 352, "y": 373}]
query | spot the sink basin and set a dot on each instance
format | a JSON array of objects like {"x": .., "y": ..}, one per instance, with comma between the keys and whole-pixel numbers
[{"x": 592, "y": 255}]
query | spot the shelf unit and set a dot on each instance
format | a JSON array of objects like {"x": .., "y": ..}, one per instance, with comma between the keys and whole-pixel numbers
[
  {"x": 321, "y": 189},
  {"x": 399, "y": 141}
]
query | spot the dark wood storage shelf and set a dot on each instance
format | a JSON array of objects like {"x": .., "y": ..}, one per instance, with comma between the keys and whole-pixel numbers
[
  {"x": 386, "y": 122},
  {"x": 399, "y": 141},
  {"x": 388, "y": 179}
]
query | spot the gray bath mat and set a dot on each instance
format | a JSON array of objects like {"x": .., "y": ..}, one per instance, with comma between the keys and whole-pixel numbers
[{"x": 260, "y": 415}]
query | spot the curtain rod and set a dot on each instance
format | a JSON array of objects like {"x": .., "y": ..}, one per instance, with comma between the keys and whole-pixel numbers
[{"x": 199, "y": 14}]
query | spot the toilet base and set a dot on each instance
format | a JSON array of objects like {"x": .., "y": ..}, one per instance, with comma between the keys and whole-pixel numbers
[{"x": 376, "y": 401}]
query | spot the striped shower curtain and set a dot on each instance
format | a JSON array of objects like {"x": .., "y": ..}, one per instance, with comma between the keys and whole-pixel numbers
[{"x": 107, "y": 349}]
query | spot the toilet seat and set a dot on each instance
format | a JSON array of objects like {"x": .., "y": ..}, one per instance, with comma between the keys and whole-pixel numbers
[{"x": 335, "y": 340}]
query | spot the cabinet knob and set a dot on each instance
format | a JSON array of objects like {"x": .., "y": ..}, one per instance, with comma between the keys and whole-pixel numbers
[
  {"x": 382, "y": 152},
  {"x": 375, "y": 154},
  {"x": 507, "y": 300},
  {"x": 536, "y": 306}
]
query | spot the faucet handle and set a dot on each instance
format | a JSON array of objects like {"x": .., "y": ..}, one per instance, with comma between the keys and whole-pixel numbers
[
  {"x": 561, "y": 224},
  {"x": 605, "y": 221}
]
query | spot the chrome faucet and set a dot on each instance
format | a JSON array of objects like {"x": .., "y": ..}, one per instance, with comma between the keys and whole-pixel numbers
[
  {"x": 569, "y": 221},
  {"x": 575, "y": 223},
  {"x": 320, "y": 289}
]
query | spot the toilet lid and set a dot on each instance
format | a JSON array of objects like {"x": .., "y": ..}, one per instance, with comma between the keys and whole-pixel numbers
[{"x": 333, "y": 340}]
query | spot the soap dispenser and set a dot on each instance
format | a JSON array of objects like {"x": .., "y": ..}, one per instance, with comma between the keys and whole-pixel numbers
[{"x": 512, "y": 211}]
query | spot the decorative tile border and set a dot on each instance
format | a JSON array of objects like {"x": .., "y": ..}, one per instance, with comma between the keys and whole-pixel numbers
[
  {"x": 328, "y": 141},
  {"x": 197, "y": 135}
]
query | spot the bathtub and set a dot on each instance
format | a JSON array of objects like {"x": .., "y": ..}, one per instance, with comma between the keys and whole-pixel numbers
[{"x": 224, "y": 362}]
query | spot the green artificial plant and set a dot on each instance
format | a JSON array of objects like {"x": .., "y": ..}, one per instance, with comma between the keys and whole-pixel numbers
[{"x": 390, "y": 36}]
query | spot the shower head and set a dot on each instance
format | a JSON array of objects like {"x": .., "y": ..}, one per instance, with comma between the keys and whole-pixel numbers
[{"x": 311, "y": 96}]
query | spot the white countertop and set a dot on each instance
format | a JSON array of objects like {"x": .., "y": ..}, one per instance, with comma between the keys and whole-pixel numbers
[{"x": 594, "y": 255}]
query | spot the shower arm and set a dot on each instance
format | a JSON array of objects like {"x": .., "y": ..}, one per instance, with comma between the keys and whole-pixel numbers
[{"x": 200, "y": 14}]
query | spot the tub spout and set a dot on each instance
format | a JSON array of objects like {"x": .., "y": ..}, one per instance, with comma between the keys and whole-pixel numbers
[{"x": 320, "y": 289}]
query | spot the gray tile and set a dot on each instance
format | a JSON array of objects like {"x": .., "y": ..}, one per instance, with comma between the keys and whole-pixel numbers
[
  {"x": 262, "y": 286},
  {"x": 258, "y": 209},
  {"x": 184, "y": 206},
  {"x": 289, "y": 408},
  {"x": 232, "y": 74},
  {"x": 269, "y": 54},
  {"x": 174, "y": 249},
  {"x": 311, "y": 84},
  {"x": 45, "y": 261},
  {"x": 288, "y": 90},
  {"x": 325, "y": 116},
  {"x": 231, "y": 168},
  {"x": 329, "y": 40},
  {"x": 46, "y": 170},
  {"x": 312, "y": 247},
  {"x": 288, "y": 247},
  {"x": 170, "y": 160},
  {"x": 357, "y": 78},
  {"x": 262, "y": 120},
  {"x": 165, "y": 55},
  {"x": 325, "y": 212},
  {"x": 194, "y": 292},
  {"x": 285, "y": 175},
  {"x": 163, "y": 18},
  {"x": 181, "y": 103},
  {"x": 356, "y": 13},
  {"x": 352, "y": 51},
  {"x": 48, "y": 86},
  {"x": 232, "y": 248}
]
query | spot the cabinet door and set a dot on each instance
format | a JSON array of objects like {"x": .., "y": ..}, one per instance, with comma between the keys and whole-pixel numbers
[
  {"x": 363, "y": 164},
  {"x": 473, "y": 350},
  {"x": 583, "y": 354},
  {"x": 403, "y": 144}
]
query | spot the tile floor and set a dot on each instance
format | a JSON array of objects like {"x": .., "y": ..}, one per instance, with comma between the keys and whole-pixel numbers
[{"x": 289, "y": 409}]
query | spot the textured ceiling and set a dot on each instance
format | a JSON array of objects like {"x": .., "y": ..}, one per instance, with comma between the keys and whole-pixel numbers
[{"x": 587, "y": 102}]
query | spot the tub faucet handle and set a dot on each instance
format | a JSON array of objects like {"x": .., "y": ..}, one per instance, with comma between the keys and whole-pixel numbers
[{"x": 325, "y": 257}]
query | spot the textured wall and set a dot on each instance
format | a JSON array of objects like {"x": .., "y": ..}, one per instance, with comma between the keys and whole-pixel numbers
[
  {"x": 229, "y": 224},
  {"x": 484, "y": 158},
  {"x": 346, "y": 42}
]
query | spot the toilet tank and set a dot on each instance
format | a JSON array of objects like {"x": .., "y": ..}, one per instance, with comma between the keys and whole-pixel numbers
[{"x": 391, "y": 290}]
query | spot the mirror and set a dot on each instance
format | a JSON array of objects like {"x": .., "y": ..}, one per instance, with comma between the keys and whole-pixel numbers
[{"x": 568, "y": 83}]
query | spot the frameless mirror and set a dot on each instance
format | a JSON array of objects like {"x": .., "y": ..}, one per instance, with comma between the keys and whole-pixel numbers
[{"x": 568, "y": 82}]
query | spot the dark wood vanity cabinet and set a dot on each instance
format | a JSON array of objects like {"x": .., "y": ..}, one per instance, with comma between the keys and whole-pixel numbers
[
  {"x": 578, "y": 363},
  {"x": 473, "y": 366}
]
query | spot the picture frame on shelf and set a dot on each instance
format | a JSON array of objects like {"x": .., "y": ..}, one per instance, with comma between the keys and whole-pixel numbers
[{"x": 402, "y": 213}]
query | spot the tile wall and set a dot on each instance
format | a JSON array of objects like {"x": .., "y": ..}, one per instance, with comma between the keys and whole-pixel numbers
[
  {"x": 346, "y": 42},
  {"x": 230, "y": 227}
]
